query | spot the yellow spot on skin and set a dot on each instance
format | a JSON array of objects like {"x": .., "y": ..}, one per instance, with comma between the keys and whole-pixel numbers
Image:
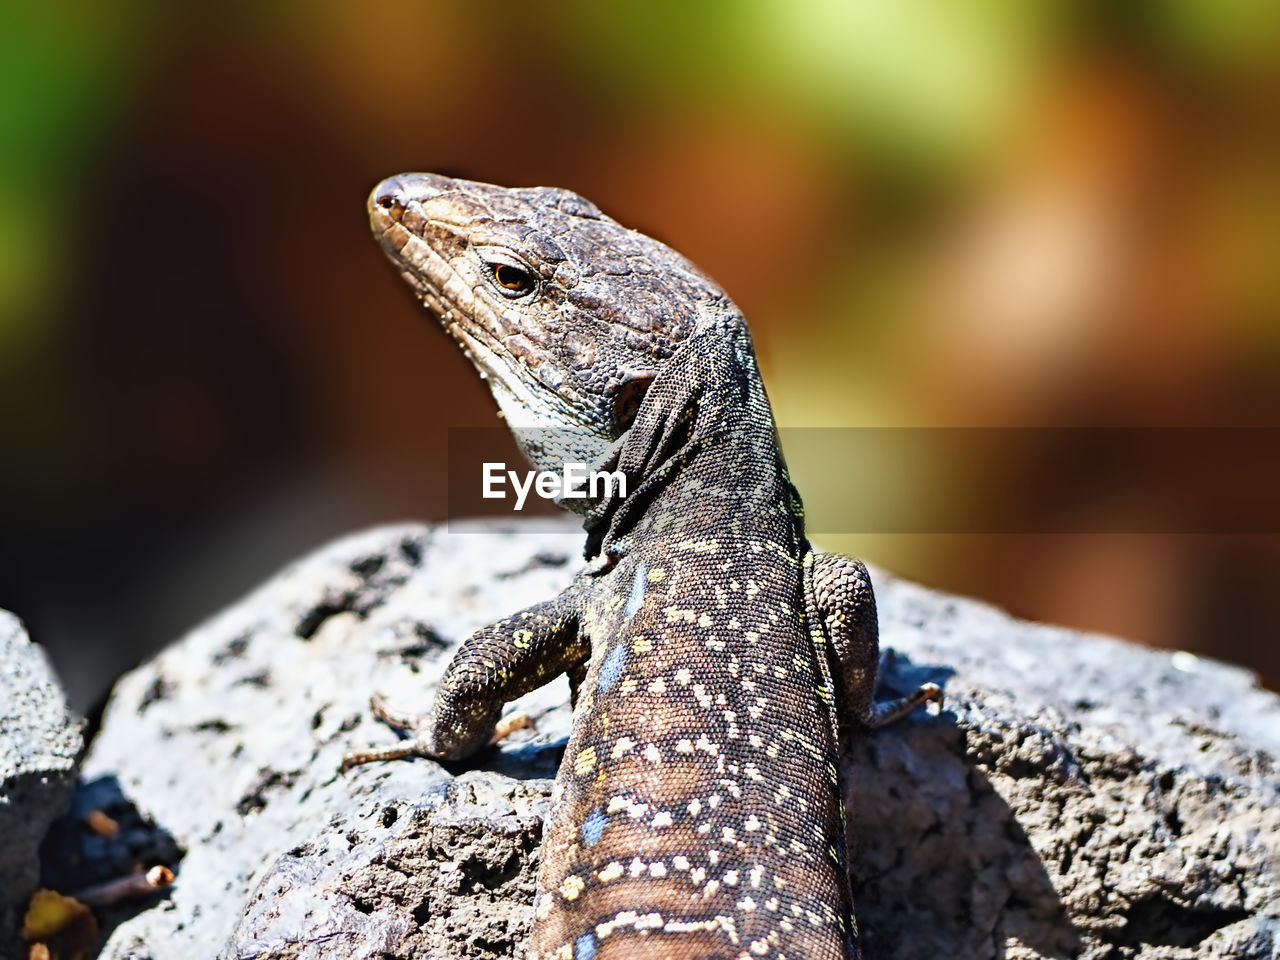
[
  {"x": 697, "y": 875},
  {"x": 752, "y": 823},
  {"x": 637, "y": 867},
  {"x": 710, "y": 889},
  {"x": 658, "y": 686},
  {"x": 684, "y": 745},
  {"x": 545, "y": 906},
  {"x": 701, "y": 546},
  {"x": 628, "y": 686},
  {"x": 571, "y": 887},
  {"x": 755, "y": 874},
  {"x": 522, "y": 639},
  {"x": 662, "y": 819},
  {"x": 690, "y": 926},
  {"x": 746, "y": 904},
  {"x": 612, "y": 872},
  {"x": 680, "y": 862},
  {"x": 683, "y": 676},
  {"x": 655, "y": 575},
  {"x": 621, "y": 747},
  {"x": 695, "y": 807},
  {"x": 657, "y": 870},
  {"x": 652, "y": 754},
  {"x": 584, "y": 762},
  {"x": 642, "y": 644},
  {"x": 771, "y": 904},
  {"x": 705, "y": 620},
  {"x": 731, "y": 878},
  {"x": 677, "y": 614}
]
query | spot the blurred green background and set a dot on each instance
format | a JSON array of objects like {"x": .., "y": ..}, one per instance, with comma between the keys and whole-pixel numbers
[{"x": 972, "y": 213}]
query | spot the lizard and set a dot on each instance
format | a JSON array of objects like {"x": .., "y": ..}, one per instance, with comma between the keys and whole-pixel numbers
[{"x": 718, "y": 664}]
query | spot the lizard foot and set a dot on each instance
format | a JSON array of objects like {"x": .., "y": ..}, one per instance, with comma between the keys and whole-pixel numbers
[
  {"x": 510, "y": 724},
  {"x": 415, "y": 746},
  {"x": 887, "y": 711}
]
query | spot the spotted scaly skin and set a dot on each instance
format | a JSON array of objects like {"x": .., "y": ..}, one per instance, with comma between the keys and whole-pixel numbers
[{"x": 717, "y": 662}]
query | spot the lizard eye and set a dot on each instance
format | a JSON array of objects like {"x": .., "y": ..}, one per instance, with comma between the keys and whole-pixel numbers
[{"x": 512, "y": 281}]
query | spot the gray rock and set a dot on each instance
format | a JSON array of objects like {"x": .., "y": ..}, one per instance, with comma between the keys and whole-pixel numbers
[
  {"x": 1078, "y": 797},
  {"x": 40, "y": 745}
]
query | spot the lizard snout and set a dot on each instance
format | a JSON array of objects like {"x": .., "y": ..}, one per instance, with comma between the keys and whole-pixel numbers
[{"x": 393, "y": 194}]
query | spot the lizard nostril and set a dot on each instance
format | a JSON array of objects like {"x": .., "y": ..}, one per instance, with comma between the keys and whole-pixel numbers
[{"x": 389, "y": 197}]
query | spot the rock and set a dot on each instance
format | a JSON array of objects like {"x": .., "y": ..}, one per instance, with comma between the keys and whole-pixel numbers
[
  {"x": 1081, "y": 797},
  {"x": 230, "y": 741},
  {"x": 1078, "y": 797},
  {"x": 40, "y": 745}
]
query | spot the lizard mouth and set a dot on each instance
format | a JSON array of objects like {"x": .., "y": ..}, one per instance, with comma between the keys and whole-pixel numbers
[{"x": 426, "y": 271}]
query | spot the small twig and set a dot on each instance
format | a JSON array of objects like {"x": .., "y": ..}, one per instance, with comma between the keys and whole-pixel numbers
[{"x": 126, "y": 888}]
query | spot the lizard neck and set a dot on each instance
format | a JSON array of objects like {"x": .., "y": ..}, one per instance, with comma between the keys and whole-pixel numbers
[{"x": 708, "y": 401}]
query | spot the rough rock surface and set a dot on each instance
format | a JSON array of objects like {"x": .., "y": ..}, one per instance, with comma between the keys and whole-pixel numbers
[
  {"x": 40, "y": 744},
  {"x": 1078, "y": 797}
]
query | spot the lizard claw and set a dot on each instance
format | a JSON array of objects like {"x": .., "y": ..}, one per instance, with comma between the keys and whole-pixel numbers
[{"x": 395, "y": 721}]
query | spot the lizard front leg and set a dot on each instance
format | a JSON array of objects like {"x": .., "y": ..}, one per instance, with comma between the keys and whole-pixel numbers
[
  {"x": 840, "y": 589},
  {"x": 494, "y": 666}
]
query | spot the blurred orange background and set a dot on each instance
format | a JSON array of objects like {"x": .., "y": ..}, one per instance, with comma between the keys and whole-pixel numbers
[{"x": 973, "y": 214}]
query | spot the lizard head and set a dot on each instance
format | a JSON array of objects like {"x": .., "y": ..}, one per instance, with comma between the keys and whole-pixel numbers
[{"x": 567, "y": 314}]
